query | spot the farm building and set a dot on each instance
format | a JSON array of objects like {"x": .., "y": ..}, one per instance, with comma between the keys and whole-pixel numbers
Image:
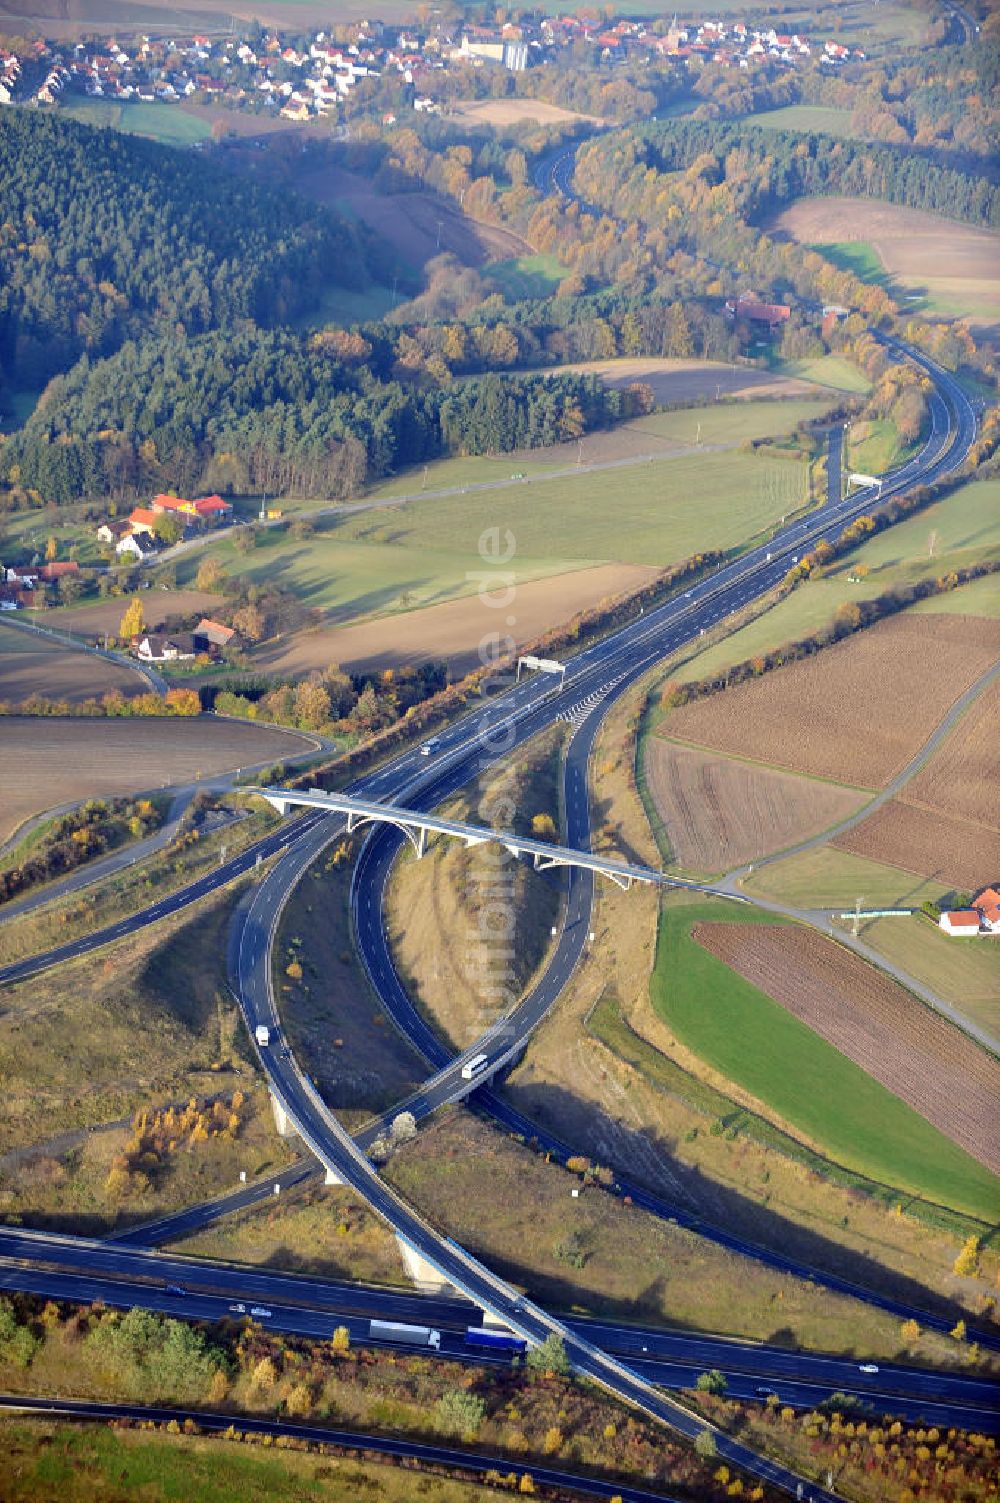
[
  {"x": 987, "y": 905},
  {"x": 962, "y": 921},
  {"x": 152, "y": 648},
  {"x": 210, "y": 635}
]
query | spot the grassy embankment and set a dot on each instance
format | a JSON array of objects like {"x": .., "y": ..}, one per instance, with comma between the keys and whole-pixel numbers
[
  {"x": 751, "y": 1040},
  {"x": 95, "y": 1464},
  {"x": 335, "y": 1022},
  {"x": 148, "y": 1024},
  {"x": 461, "y": 970},
  {"x": 959, "y": 530}
]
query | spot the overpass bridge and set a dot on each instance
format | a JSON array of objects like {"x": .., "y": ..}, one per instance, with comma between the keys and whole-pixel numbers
[{"x": 417, "y": 826}]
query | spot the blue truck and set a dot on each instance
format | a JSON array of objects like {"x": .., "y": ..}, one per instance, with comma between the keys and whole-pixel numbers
[{"x": 495, "y": 1341}]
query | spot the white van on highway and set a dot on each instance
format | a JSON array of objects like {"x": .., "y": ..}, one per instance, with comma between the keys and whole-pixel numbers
[
  {"x": 431, "y": 746},
  {"x": 474, "y": 1067}
]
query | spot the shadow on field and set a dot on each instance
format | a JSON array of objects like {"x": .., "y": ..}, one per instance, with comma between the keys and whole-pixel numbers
[{"x": 688, "y": 1196}]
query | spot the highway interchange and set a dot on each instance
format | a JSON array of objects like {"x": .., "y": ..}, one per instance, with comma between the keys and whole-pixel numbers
[{"x": 611, "y": 1356}]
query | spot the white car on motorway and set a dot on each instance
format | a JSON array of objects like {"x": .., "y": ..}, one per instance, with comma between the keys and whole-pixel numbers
[
  {"x": 260, "y": 1312},
  {"x": 867, "y": 1367}
]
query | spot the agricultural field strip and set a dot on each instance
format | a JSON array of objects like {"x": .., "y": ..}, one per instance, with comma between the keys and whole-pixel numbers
[
  {"x": 923, "y": 756},
  {"x": 920, "y": 1058},
  {"x": 63, "y": 639}
]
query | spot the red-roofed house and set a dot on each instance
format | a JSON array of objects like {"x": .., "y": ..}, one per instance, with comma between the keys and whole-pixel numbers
[
  {"x": 209, "y": 635},
  {"x": 987, "y": 904},
  {"x": 141, "y": 519},
  {"x": 960, "y": 921},
  {"x": 207, "y": 509},
  {"x": 755, "y": 312},
  {"x": 50, "y": 572}
]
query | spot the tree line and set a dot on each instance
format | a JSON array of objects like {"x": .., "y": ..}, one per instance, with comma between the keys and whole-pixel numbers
[{"x": 272, "y": 411}]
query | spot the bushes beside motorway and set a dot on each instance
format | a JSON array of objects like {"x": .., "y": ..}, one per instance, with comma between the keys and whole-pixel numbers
[{"x": 80, "y": 836}]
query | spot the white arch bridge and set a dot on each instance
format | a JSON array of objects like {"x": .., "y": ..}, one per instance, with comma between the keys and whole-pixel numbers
[{"x": 417, "y": 826}]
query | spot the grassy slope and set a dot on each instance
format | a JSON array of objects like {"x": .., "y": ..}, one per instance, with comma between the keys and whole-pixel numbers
[
  {"x": 163, "y": 122},
  {"x": 967, "y": 528},
  {"x": 655, "y": 513},
  {"x": 753, "y": 1041},
  {"x": 526, "y": 276}
]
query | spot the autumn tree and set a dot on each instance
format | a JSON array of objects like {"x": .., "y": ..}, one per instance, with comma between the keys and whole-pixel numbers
[
  {"x": 133, "y": 622},
  {"x": 967, "y": 1262},
  {"x": 211, "y": 575},
  {"x": 51, "y": 549}
]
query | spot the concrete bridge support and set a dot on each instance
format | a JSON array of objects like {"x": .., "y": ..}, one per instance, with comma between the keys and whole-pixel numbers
[
  {"x": 423, "y": 1274},
  {"x": 281, "y": 1119}
]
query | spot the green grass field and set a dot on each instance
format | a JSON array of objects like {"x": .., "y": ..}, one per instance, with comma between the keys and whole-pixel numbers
[
  {"x": 830, "y": 878},
  {"x": 345, "y": 306},
  {"x": 875, "y": 446},
  {"x": 379, "y": 575},
  {"x": 819, "y": 118},
  {"x": 965, "y": 527},
  {"x": 754, "y": 1042},
  {"x": 856, "y": 256},
  {"x": 652, "y": 513},
  {"x": 729, "y": 423},
  {"x": 424, "y": 552},
  {"x": 827, "y": 370},
  {"x": 163, "y": 122},
  {"x": 526, "y": 276}
]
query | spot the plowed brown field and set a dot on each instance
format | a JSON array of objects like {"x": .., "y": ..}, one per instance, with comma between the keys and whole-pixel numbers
[
  {"x": 45, "y": 761},
  {"x": 907, "y": 1048},
  {"x": 946, "y": 822},
  {"x": 32, "y": 664},
  {"x": 855, "y": 713},
  {"x": 958, "y": 853},
  {"x": 719, "y": 813}
]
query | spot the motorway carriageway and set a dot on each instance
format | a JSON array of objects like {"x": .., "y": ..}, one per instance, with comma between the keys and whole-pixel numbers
[
  {"x": 670, "y": 1359},
  {"x": 632, "y": 650}
]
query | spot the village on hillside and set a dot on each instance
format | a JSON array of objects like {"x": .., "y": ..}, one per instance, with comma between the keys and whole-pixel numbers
[{"x": 270, "y": 72}]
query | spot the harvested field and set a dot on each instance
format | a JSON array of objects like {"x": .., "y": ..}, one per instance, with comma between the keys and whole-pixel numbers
[
  {"x": 856, "y": 712},
  {"x": 452, "y": 630},
  {"x": 907, "y": 1048},
  {"x": 718, "y": 812},
  {"x": 956, "y": 778},
  {"x": 32, "y": 664},
  {"x": 105, "y": 615},
  {"x": 912, "y": 244},
  {"x": 962, "y": 853},
  {"x": 693, "y": 380},
  {"x": 953, "y": 266},
  {"x": 46, "y": 762},
  {"x": 966, "y": 975},
  {"x": 419, "y": 226},
  {"x": 943, "y": 825},
  {"x": 501, "y": 112}
]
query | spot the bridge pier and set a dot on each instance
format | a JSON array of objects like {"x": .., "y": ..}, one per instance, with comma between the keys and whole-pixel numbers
[
  {"x": 281, "y": 1119},
  {"x": 332, "y": 1178},
  {"x": 422, "y": 1273}
]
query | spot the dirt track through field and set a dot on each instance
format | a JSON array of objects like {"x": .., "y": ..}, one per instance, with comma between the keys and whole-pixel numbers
[
  {"x": 917, "y": 1055},
  {"x": 945, "y": 823},
  {"x": 719, "y": 813},
  {"x": 856, "y": 712}
]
